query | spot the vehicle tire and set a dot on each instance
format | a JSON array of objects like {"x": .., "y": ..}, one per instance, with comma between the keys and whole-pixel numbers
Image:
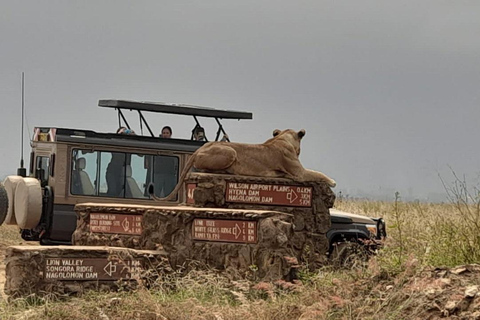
[
  {"x": 348, "y": 255},
  {"x": 28, "y": 203},
  {"x": 10, "y": 184},
  {"x": 3, "y": 204}
]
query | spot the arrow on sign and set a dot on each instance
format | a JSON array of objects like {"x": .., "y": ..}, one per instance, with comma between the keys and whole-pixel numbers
[
  {"x": 125, "y": 224},
  {"x": 110, "y": 268},
  {"x": 237, "y": 231},
  {"x": 292, "y": 196}
]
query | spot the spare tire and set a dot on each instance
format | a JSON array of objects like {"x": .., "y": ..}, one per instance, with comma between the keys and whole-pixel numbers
[
  {"x": 10, "y": 184},
  {"x": 28, "y": 203},
  {"x": 3, "y": 204}
]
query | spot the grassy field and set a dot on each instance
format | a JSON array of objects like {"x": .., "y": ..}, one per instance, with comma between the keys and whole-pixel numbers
[{"x": 396, "y": 284}]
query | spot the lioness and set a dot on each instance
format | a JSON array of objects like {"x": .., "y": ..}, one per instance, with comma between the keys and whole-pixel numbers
[{"x": 276, "y": 157}]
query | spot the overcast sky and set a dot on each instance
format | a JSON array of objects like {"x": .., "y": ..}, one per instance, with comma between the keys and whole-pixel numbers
[{"x": 388, "y": 91}]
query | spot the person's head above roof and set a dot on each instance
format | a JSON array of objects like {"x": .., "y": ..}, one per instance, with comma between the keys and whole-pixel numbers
[
  {"x": 166, "y": 132},
  {"x": 125, "y": 130},
  {"x": 198, "y": 133}
]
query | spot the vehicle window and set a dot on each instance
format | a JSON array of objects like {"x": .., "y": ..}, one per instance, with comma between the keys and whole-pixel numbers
[
  {"x": 165, "y": 174},
  {"x": 136, "y": 175},
  {"x": 112, "y": 174},
  {"x": 42, "y": 166},
  {"x": 84, "y": 172},
  {"x": 122, "y": 175},
  {"x": 105, "y": 159}
]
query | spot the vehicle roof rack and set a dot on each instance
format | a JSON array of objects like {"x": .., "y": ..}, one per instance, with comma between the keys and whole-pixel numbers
[{"x": 171, "y": 108}]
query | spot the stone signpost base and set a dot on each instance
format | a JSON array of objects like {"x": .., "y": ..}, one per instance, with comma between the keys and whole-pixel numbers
[
  {"x": 247, "y": 227},
  {"x": 71, "y": 269},
  {"x": 307, "y": 202},
  {"x": 247, "y": 243}
]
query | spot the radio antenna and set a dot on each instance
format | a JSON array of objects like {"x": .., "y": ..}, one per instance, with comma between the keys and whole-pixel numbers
[{"x": 22, "y": 171}]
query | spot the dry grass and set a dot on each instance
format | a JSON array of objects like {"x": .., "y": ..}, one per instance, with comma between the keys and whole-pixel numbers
[
  {"x": 435, "y": 234},
  {"x": 10, "y": 236},
  {"x": 391, "y": 286}
]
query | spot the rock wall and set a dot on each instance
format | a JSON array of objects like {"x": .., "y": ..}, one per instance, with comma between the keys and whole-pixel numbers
[
  {"x": 311, "y": 222},
  {"x": 247, "y": 226},
  {"x": 88, "y": 233},
  {"x": 245, "y": 243}
]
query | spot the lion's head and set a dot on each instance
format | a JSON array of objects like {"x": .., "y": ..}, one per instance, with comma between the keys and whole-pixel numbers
[{"x": 290, "y": 136}]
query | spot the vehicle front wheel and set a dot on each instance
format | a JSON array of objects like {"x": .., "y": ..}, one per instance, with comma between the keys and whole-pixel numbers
[{"x": 348, "y": 255}]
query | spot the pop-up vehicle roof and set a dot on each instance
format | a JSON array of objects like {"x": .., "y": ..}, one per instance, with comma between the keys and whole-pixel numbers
[
  {"x": 124, "y": 106},
  {"x": 178, "y": 109}
]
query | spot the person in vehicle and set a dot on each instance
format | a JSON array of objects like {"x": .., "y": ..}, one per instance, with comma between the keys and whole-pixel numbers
[
  {"x": 125, "y": 130},
  {"x": 164, "y": 175},
  {"x": 166, "y": 132},
  {"x": 115, "y": 175},
  {"x": 198, "y": 133},
  {"x": 225, "y": 138}
]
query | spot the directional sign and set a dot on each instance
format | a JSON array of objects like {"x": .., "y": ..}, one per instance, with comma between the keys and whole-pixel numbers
[
  {"x": 115, "y": 223},
  {"x": 110, "y": 268},
  {"x": 87, "y": 269},
  {"x": 190, "y": 189},
  {"x": 295, "y": 196},
  {"x": 225, "y": 230}
]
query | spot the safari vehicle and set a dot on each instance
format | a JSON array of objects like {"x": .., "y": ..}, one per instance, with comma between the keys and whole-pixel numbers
[
  {"x": 71, "y": 166},
  {"x": 349, "y": 232}
]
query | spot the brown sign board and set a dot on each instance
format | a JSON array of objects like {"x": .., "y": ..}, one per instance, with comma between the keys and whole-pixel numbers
[
  {"x": 190, "y": 189},
  {"x": 225, "y": 230},
  {"x": 115, "y": 223},
  {"x": 295, "y": 196},
  {"x": 88, "y": 269}
]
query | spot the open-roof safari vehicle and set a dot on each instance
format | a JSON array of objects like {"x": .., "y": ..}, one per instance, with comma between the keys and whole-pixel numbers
[{"x": 71, "y": 166}]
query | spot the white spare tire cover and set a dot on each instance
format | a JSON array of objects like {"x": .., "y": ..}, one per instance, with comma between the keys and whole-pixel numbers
[
  {"x": 10, "y": 183},
  {"x": 28, "y": 203}
]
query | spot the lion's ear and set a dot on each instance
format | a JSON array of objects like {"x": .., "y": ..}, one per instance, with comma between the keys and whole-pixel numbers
[
  {"x": 276, "y": 132},
  {"x": 301, "y": 133}
]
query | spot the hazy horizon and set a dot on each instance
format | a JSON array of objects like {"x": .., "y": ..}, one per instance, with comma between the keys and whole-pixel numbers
[{"x": 388, "y": 92}]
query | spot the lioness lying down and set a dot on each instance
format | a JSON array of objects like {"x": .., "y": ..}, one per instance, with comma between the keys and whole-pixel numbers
[{"x": 276, "y": 157}]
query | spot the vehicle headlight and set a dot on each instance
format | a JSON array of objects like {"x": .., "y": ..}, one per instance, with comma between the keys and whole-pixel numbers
[
  {"x": 373, "y": 229},
  {"x": 382, "y": 231}
]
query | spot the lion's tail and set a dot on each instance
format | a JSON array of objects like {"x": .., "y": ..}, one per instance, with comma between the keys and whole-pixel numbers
[{"x": 179, "y": 185}]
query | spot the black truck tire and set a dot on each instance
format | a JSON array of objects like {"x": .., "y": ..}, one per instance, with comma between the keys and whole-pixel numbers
[
  {"x": 3, "y": 204},
  {"x": 348, "y": 255}
]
